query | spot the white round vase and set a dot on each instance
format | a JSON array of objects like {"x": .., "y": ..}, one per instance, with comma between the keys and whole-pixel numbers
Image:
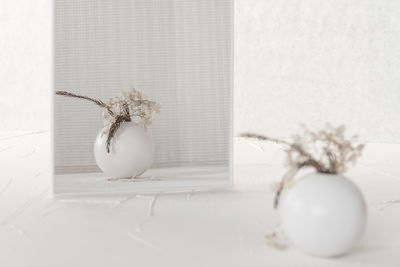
[
  {"x": 323, "y": 214},
  {"x": 131, "y": 151}
]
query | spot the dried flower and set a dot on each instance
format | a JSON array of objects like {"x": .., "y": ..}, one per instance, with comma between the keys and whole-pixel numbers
[
  {"x": 140, "y": 110},
  {"x": 130, "y": 106},
  {"x": 327, "y": 151}
]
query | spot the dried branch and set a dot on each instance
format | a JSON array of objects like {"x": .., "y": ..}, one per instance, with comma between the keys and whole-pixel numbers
[
  {"x": 114, "y": 127},
  {"x": 95, "y": 101},
  {"x": 292, "y": 147}
]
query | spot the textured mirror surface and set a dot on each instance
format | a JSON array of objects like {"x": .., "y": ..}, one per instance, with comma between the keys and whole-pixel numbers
[{"x": 177, "y": 52}]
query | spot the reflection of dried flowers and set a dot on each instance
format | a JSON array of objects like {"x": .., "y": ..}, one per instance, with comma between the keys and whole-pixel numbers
[
  {"x": 327, "y": 151},
  {"x": 130, "y": 106}
]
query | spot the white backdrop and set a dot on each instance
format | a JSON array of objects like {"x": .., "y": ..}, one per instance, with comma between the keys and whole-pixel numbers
[
  {"x": 295, "y": 61},
  {"x": 25, "y": 64},
  {"x": 316, "y": 61}
]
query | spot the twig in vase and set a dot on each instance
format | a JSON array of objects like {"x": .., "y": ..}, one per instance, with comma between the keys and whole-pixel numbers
[{"x": 95, "y": 101}]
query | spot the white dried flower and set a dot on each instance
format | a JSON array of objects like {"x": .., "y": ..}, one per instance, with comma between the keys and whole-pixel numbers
[
  {"x": 140, "y": 110},
  {"x": 327, "y": 150}
]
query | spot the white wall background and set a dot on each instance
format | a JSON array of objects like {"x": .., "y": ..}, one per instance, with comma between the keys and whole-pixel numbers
[
  {"x": 295, "y": 61},
  {"x": 25, "y": 64},
  {"x": 316, "y": 61}
]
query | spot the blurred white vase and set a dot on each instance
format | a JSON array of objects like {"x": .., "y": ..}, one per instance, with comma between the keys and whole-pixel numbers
[{"x": 323, "y": 214}]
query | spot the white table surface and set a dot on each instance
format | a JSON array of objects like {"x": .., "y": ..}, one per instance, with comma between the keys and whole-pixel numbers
[{"x": 219, "y": 228}]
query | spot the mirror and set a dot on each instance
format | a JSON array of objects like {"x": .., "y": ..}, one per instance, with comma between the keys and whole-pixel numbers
[{"x": 179, "y": 54}]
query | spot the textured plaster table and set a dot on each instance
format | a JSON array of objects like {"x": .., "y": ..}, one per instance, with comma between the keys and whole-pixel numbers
[{"x": 217, "y": 228}]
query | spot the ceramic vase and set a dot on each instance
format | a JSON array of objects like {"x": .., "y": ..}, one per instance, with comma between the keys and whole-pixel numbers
[
  {"x": 323, "y": 214},
  {"x": 131, "y": 152}
]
